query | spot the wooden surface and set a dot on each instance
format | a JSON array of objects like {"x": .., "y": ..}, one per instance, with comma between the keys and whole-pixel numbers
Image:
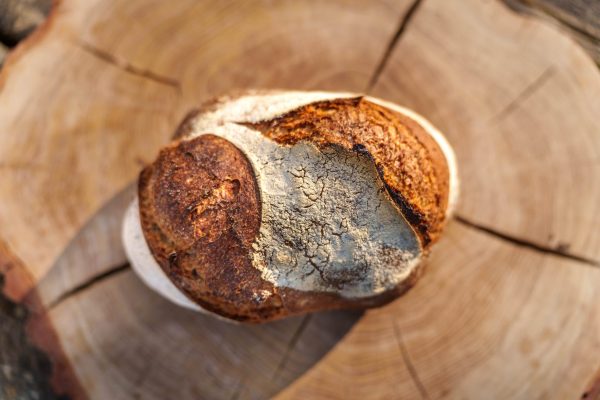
[
  {"x": 509, "y": 306},
  {"x": 581, "y": 18}
]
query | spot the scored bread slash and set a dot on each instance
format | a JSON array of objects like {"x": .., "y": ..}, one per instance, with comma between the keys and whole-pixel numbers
[{"x": 274, "y": 203}]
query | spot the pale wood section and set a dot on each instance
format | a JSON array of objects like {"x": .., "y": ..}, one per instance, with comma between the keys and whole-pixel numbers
[
  {"x": 520, "y": 103},
  {"x": 128, "y": 342},
  {"x": 70, "y": 144},
  {"x": 490, "y": 319},
  {"x": 581, "y": 18},
  {"x": 95, "y": 250},
  {"x": 221, "y": 360}
]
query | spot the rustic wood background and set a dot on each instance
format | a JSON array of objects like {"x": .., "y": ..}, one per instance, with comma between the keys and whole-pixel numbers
[
  {"x": 581, "y": 18},
  {"x": 508, "y": 308}
]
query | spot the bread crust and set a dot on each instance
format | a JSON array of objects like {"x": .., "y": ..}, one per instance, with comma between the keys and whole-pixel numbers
[
  {"x": 200, "y": 212},
  {"x": 410, "y": 162},
  {"x": 200, "y": 207}
]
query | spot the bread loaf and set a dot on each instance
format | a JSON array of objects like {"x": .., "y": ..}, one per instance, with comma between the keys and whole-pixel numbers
[{"x": 275, "y": 203}]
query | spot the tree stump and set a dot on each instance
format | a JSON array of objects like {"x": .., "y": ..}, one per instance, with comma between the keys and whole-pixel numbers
[{"x": 509, "y": 305}]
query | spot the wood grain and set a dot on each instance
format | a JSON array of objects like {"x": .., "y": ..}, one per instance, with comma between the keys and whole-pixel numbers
[
  {"x": 508, "y": 308},
  {"x": 72, "y": 169},
  {"x": 277, "y": 353},
  {"x": 97, "y": 246},
  {"x": 487, "y": 321},
  {"x": 162, "y": 351},
  {"x": 528, "y": 162},
  {"x": 581, "y": 18}
]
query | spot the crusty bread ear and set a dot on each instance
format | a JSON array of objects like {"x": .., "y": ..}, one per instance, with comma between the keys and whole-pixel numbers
[{"x": 270, "y": 204}]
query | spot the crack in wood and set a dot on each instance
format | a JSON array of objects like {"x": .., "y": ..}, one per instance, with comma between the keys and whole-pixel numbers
[
  {"x": 87, "y": 284},
  {"x": 581, "y": 17},
  {"x": 526, "y": 93},
  {"x": 293, "y": 341},
  {"x": 555, "y": 251},
  {"x": 409, "y": 364},
  {"x": 404, "y": 21},
  {"x": 128, "y": 67}
]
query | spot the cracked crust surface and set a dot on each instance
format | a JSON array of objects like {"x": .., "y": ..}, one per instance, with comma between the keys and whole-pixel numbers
[
  {"x": 327, "y": 223},
  {"x": 268, "y": 209},
  {"x": 410, "y": 162}
]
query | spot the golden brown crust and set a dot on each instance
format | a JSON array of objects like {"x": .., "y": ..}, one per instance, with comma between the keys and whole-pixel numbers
[
  {"x": 200, "y": 213},
  {"x": 409, "y": 160},
  {"x": 200, "y": 206}
]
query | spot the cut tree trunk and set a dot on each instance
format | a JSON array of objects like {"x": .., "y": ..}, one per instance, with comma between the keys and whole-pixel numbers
[{"x": 509, "y": 305}]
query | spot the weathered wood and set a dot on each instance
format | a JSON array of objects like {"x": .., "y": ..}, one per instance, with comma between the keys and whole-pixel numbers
[
  {"x": 3, "y": 53},
  {"x": 32, "y": 362},
  {"x": 508, "y": 308},
  {"x": 18, "y": 18},
  {"x": 24, "y": 369},
  {"x": 580, "y": 17}
]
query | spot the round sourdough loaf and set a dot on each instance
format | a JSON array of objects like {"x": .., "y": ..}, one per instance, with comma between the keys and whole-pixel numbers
[{"x": 275, "y": 203}]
